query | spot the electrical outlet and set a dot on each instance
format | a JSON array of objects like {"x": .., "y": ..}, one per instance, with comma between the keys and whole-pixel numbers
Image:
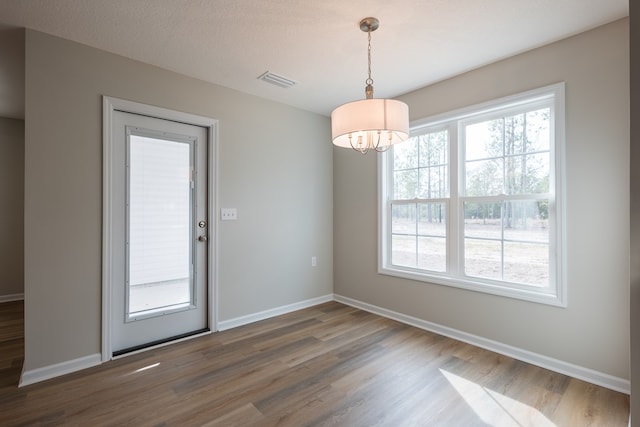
[
  {"x": 314, "y": 261},
  {"x": 228, "y": 214}
]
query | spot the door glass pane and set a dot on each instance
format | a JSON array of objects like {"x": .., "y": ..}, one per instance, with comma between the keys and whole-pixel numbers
[{"x": 159, "y": 226}]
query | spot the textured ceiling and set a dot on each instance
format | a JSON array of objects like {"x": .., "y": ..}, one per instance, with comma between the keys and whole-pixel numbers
[{"x": 314, "y": 42}]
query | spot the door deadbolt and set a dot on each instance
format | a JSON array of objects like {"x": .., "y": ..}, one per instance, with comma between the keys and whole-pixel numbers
[{"x": 202, "y": 224}]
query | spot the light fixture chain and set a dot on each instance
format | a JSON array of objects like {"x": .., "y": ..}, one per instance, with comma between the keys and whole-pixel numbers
[{"x": 369, "y": 80}]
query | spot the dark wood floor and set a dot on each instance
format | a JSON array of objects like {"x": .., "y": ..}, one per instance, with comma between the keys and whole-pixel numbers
[{"x": 326, "y": 365}]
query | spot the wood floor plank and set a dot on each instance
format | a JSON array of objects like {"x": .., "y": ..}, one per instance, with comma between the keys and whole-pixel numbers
[
  {"x": 328, "y": 365},
  {"x": 244, "y": 415}
]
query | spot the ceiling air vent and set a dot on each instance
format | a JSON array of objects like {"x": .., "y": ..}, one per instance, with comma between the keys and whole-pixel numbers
[{"x": 277, "y": 80}]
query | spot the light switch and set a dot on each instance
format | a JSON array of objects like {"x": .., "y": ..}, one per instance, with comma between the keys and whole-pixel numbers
[{"x": 228, "y": 214}]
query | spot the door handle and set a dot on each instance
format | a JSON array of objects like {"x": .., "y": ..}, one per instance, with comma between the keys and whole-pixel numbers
[{"x": 202, "y": 238}]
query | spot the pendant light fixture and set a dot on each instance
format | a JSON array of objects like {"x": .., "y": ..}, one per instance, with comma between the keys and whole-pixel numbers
[{"x": 370, "y": 124}]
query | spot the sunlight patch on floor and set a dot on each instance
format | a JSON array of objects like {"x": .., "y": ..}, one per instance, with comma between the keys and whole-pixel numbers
[
  {"x": 147, "y": 367},
  {"x": 144, "y": 368},
  {"x": 495, "y": 408}
]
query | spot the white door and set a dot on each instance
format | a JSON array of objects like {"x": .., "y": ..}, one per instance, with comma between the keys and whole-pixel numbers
[{"x": 160, "y": 231}]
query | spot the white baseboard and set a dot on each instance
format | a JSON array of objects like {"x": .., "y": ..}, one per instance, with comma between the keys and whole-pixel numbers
[
  {"x": 52, "y": 371},
  {"x": 605, "y": 380},
  {"x": 11, "y": 297},
  {"x": 41, "y": 374},
  {"x": 250, "y": 318}
]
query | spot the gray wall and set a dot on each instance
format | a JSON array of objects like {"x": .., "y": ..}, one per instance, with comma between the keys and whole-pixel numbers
[
  {"x": 11, "y": 207},
  {"x": 634, "y": 36},
  {"x": 275, "y": 167},
  {"x": 11, "y": 72},
  {"x": 593, "y": 331}
]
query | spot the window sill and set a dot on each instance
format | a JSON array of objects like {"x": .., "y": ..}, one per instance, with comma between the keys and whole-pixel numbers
[{"x": 477, "y": 286}]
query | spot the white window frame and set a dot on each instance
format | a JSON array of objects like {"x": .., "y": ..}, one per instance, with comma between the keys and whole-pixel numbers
[{"x": 556, "y": 293}]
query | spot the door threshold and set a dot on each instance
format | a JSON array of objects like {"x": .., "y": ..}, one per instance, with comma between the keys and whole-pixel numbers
[{"x": 159, "y": 343}]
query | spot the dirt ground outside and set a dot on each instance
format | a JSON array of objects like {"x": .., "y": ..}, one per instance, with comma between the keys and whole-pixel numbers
[{"x": 524, "y": 259}]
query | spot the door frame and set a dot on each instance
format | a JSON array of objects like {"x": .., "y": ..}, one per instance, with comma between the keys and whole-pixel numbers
[{"x": 109, "y": 106}]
